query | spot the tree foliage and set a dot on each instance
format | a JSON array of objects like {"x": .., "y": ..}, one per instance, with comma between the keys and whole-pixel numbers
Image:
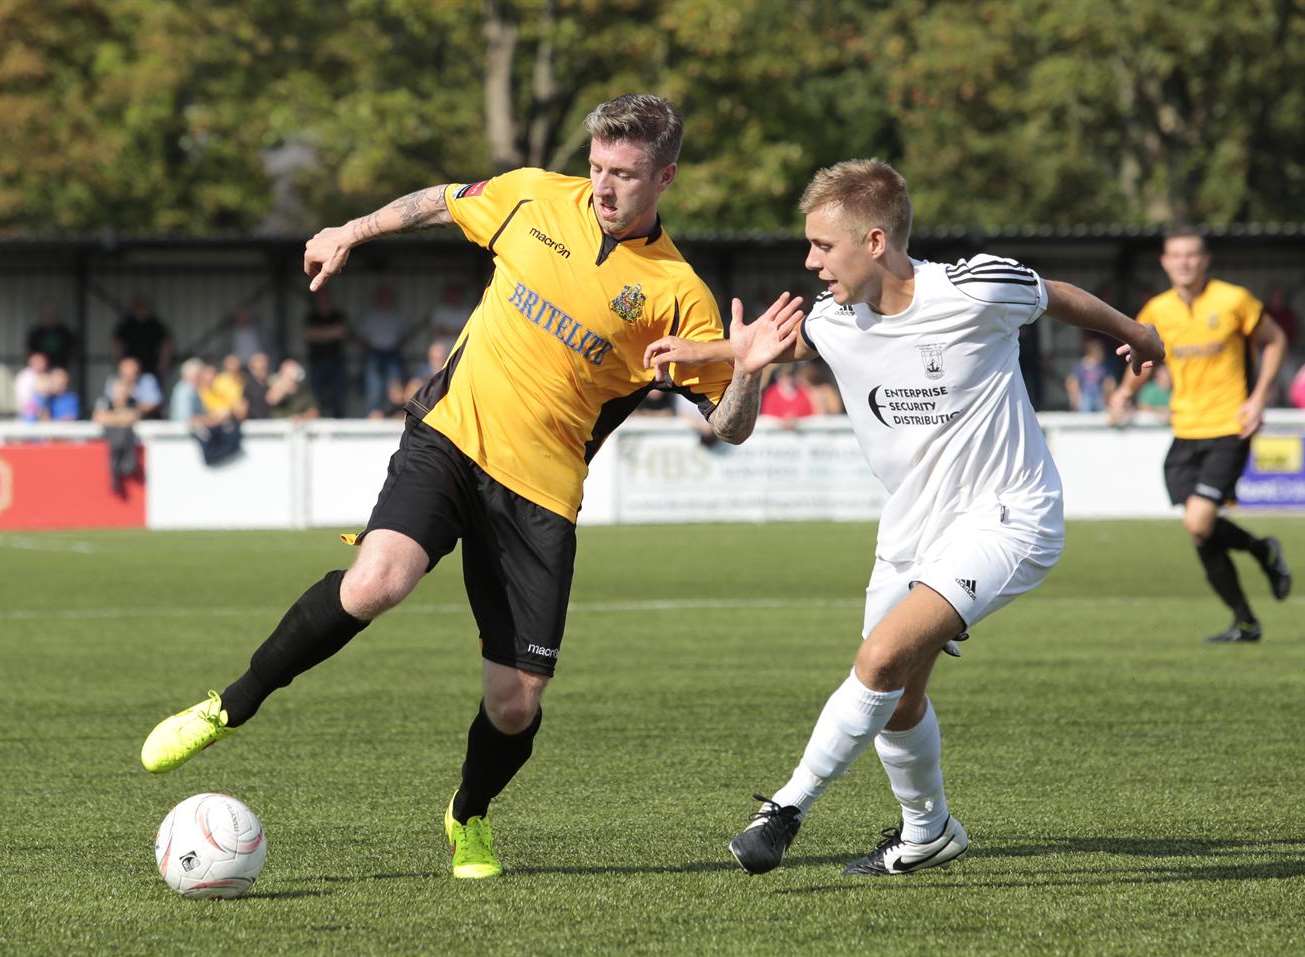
[{"x": 235, "y": 115}]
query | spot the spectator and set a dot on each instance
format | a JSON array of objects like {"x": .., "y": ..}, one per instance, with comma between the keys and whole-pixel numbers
[
  {"x": 1154, "y": 395},
  {"x": 786, "y": 398},
  {"x": 142, "y": 386},
  {"x": 326, "y": 331},
  {"x": 1297, "y": 391},
  {"x": 383, "y": 332},
  {"x": 185, "y": 405},
  {"x": 30, "y": 387},
  {"x": 217, "y": 430},
  {"x": 226, "y": 389},
  {"x": 52, "y": 338},
  {"x": 257, "y": 380},
  {"x": 142, "y": 336},
  {"x": 1090, "y": 381},
  {"x": 395, "y": 397},
  {"x": 451, "y": 312},
  {"x": 247, "y": 338},
  {"x": 287, "y": 396},
  {"x": 61, "y": 404},
  {"x": 437, "y": 355},
  {"x": 815, "y": 376},
  {"x": 116, "y": 411}
]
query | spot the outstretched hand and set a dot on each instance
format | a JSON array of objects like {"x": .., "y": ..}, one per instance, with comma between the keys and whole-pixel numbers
[
  {"x": 758, "y": 343},
  {"x": 325, "y": 255}
]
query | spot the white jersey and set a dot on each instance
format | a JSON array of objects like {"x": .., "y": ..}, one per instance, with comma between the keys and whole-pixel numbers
[{"x": 938, "y": 404}]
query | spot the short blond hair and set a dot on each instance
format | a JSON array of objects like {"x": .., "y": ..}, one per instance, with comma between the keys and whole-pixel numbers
[
  {"x": 642, "y": 118},
  {"x": 867, "y": 193}
]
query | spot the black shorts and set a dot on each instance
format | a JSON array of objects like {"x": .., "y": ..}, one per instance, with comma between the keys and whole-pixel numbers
[
  {"x": 517, "y": 557},
  {"x": 1209, "y": 468}
]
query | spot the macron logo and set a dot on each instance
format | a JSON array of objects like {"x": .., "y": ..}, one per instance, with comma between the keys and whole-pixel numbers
[
  {"x": 553, "y": 244},
  {"x": 542, "y": 651}
]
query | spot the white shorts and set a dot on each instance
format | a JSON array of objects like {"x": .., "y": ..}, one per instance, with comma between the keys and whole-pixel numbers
[{"x": 978, "y": 564}]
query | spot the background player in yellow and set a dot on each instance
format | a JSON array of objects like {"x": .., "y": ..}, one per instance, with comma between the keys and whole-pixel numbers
[
  {"x": 498, "y": 442},
  {"x": 1206, "y": 325}
]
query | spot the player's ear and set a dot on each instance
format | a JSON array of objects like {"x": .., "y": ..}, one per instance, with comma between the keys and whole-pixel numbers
[
  {"x": 667, "y": 176},
  {"x": 876, "y": 242}
]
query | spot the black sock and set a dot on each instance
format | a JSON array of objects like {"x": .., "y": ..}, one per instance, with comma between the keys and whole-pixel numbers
[
  {"x": 493, "y": 759},
  {"x": 1228, "y": 535},
  {"x": 1222, "y": 575},
  {"x": 315, "y": 627}
]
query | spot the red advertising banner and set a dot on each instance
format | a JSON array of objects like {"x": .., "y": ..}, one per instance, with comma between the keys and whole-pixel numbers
[{"x": 65, "y": 485}]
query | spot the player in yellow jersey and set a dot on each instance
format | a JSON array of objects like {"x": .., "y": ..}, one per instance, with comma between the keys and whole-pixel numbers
[
  {"x": 498, "y": 442},
  {"x": 1207, "y": 326}
]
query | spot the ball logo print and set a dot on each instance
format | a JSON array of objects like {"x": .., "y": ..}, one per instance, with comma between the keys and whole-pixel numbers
[{"x": 210, "y": 846}]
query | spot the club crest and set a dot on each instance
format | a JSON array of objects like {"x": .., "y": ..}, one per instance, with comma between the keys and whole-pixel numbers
[
  {"x": 629, "y": 304},
  {"x": 931, "y": 358}
]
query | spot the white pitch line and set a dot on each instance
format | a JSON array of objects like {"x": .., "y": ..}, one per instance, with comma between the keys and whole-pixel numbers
[
  {"x": 578, "y": 607},
  {"x": 42, "y": 545}
]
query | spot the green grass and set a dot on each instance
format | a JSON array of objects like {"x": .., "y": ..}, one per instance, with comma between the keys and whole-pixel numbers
[{"x": 1127, "y": 789}]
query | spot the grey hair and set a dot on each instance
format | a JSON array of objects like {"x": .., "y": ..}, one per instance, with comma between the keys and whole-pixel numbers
[{"x": 640, "y": 118}]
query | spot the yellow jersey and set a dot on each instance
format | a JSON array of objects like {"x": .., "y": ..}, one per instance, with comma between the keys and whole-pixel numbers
[
  {"x": 551, "y": 360},
  {"x": 1206, "y": 349}
]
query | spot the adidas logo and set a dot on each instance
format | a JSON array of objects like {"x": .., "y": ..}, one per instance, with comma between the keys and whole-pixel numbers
[{"x": 967, "y": 585}]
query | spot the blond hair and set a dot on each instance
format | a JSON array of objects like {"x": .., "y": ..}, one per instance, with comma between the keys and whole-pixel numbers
[
  {"x": 640, "y": 118},
  {"x": 867, "y": 194}
]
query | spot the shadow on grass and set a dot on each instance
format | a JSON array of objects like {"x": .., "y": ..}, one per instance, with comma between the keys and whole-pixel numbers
[
  {"x": 283, "y": 895},
  {"x": 1291, "y": 865},
  {"x": 1140, "y": 846}
]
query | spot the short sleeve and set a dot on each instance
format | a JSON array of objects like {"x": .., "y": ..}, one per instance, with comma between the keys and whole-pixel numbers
[
  {"x": 699, "y": 320},
  {"x": 1000, "y": 282},
  {"x": 482, "y": 209},
  {"x": 1249, "y": 311}
]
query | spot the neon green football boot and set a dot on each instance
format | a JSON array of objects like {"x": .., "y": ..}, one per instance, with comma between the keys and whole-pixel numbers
[
  {"x": 473, "y": 846},
  {"x": 177, "y": 739}
]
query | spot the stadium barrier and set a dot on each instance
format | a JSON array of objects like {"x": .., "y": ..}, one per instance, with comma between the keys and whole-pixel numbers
[{"x": 326, "y": 473}]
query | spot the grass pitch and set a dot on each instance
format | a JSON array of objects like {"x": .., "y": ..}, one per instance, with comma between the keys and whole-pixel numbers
[{"x": 1127, "y": 789}]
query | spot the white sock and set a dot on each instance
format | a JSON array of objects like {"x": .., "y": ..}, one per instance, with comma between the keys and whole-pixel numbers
[
  {"x": 852, "y": 717},
  {"x": 913, "y": 760}
]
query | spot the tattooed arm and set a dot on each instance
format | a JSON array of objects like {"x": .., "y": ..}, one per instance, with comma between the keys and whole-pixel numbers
[
  {"x": 736, "y": 415},
  {"x": 327, "y": 252},
  {"x": 755, "y": 345}
]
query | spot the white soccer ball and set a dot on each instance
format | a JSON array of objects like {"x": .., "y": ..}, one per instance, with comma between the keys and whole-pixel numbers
[{"x": 210, "y": 845}]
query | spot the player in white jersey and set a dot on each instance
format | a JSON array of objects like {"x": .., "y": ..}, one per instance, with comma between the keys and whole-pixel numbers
[{"x": 927, "y": 360}]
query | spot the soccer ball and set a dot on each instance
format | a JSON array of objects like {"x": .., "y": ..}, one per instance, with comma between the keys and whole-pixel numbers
[{"x": 210, "y": 845}]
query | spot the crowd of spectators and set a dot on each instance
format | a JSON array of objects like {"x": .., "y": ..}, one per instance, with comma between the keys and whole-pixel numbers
[{"x": 241, "y": 377}]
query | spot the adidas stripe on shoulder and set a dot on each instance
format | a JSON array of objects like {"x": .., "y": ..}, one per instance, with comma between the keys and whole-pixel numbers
[{"x": 994, "y": 279}]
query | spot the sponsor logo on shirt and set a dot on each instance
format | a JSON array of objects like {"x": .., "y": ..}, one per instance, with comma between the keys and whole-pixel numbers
[
  {"x": 556, "y": 245},
  {"x": 565, "y": 329},
  {"x": 920, "y": 405}
]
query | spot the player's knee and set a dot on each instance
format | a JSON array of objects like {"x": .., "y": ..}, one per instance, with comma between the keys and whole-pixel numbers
[
  {"x": 880, "y": 667},
  {"x": 373, "y": 587},
  {"x": 511, "y": 714},
  {"x": 1199, "y": 526}
]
